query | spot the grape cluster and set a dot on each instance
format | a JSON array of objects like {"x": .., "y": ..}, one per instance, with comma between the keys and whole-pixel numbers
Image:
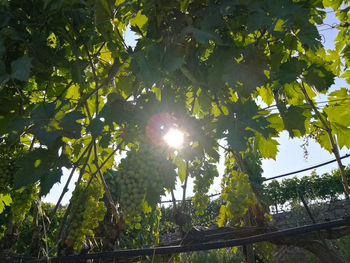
[
  {"x": 6, "y": 173},
  {"x": 238, "y": 196},
  {"x": 142, "y": 177},
  {"x": 88, "y": 210},
  {"x": 8, "y": 156},
  {"x": 204, "y": 173},
  {"x": 22, "y": 202},
  {"x": 22, "y": 198}
]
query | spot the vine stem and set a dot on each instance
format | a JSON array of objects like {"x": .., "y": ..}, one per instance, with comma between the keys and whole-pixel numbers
[
  {"x": 65, "y": 189},
  {"x": 247, "y": 216},
  {"x": 59, "y": 232},
  {"x": 332, "y": 140},
  {"x": 184, "y": 187},
  {"x": 173, "y": 198},
  {"x": 82, "y": 171},
  {"x": 105, "y": 186}
]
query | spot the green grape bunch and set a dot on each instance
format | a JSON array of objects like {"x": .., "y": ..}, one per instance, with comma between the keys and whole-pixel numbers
[
  {"x": 141, "y": 179},
  {"x": 203, "y": 173},
  {"x": 22, "y": 201},
  {"x": 238, "y": 197},
  {"x": 88, "y": 211},
  {"x": 8, "y": 157},
  {"x": 6, "y": 173}
]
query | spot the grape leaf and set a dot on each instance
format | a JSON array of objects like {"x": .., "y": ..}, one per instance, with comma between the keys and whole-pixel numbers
[
  {"x": 5, "y": 200},
  {"x": 339, "y": 114},
  {"x": 71, "y": 128},
  {"x": 222, "y": 216},
  {"x": 4, "y": 77},
  {"x": 139, "y": 20},
  {"x": 323, "y": 140},
  {"x": 267, "y": 147},
  {"x": 343, "y": 134},
  {"x": 20, "y": 68},
  {"x": 266, "y": 95},
  {"x": 95, "y": 127},
  {"x": 319, "y": 77},
  {"x": 294, "y": 120},
  {"x": 202, "y": 36},
  {"x": 48, "y": 180},
  {"x": 181, "y": 168},
  {"x": 290, "y": 70},
  {"x": 48, "y": 136},
  {"x": 41, "y": 163}
]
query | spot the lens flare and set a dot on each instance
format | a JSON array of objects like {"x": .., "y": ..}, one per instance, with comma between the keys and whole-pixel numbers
[{"x": 174, "y": 138}]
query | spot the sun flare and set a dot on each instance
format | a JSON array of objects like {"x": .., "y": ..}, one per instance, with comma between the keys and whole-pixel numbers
[{"x": 174, "y": 138}]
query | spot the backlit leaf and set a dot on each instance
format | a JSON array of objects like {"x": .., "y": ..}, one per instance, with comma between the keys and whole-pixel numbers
[{"x": 181, "y": 166}]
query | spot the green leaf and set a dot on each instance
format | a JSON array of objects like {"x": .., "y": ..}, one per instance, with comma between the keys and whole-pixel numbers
[
  {"x": 290, "y": 70},
  {"x": 71, "y": 128},
  {"x": 319, "y": 77},
  {"x": 279, "y": 26},
  {"x": 38, "y": 165},
  {"x": 323, "y": 140},
  {"x": 20, "y": 68},
  {"x": 222, "y": 216},
  {"x": 146, "y": 63},
  {"x": 294, "y": 121},
  {"x": 46, "y": 136},
  {"x": 335, "y": 4},
  {"x": 43, "y": 113},
  {"x": 31, "y": 167},
  {"x": 267, "y": 147},
  {"x": 118, "y": 111},
  {"x": 266, "y": 95},
  {"x": 342, "y": 93},
  {"x": 104, "y": 12},
  {"x": 248, "y": 75},
  {"x": 202, "y": 36},
  {"x": 238, "y": 126},
  {"x": 343, "y": 135},
  {"x": 2, "y": 48},
  {"x": 172, "y": 59},
  {"x": 105, "y": 140},
  {"x": 346, "y": 76},
  {"x": 308, "y": 34},
  {"x": 4, "y": 77},
  {"x": 48, "y": 180},
  {"x": 276, "y": 122},
  {"x": 181, "y": 166},
  {"x": 258, "y": 19},
  {"x": 5, "y": 200},
  {"x": 339, "y": 114},
  {"x": 95, "y": 127},
  {"x": 139, "y": 20},
  {"x": 73, "y": 92}
]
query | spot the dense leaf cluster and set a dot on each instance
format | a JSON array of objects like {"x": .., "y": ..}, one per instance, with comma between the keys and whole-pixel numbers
[{"x": 74, "y": 94}]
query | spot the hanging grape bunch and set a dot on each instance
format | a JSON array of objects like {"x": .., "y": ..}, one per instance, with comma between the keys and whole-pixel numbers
[
  {"x": 22, "y": 198},
  {"x": 142, "y": 177},
  {"x": 89, "y": 210},
  {"x": 7, "y": 166},
  {"x": 6, "y": 173},
  {"x": 203, "y": 173},
  {"x": 22, "y": 202}
]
